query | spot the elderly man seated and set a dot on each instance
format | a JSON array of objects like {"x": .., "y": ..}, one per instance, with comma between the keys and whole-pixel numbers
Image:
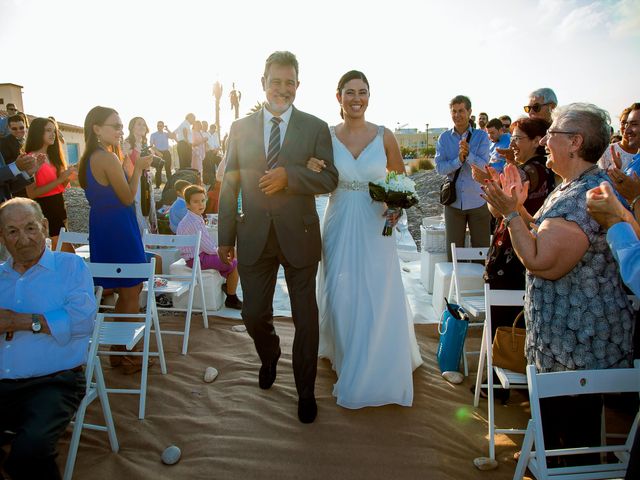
[{"x": 47, "y": 311}]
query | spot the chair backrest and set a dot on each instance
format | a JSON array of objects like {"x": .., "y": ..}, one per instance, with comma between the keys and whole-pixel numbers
[
  {"x": 472, "y": 253},
  {"x": 127, "y": 270},
  {"x": 498, "y": 298},
  {"x": 160, "y": 240},
  {"x": 77, "y": 238},
  {"x": 464, "y": 254},
  {"x": 578, "y": 382}
]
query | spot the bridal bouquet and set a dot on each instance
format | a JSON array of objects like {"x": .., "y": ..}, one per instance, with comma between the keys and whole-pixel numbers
[{"x": 397, "y": 191}]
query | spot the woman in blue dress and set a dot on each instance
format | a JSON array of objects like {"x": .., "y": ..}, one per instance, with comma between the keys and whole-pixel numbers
[{"x": 114, "y": 236}]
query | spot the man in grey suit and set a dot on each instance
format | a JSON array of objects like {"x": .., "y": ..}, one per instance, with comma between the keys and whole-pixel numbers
[{"x": 277, "y": 223}]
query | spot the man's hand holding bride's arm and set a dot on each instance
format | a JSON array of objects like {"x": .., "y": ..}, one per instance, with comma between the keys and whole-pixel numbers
[{"x": 274, "y": 180}]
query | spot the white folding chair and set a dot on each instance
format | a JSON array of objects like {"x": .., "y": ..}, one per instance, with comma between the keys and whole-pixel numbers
[
  {"x": 128, "y": 333},
  {"x": 508, "y": 379},
  {"x": 575, "y": 382},
  {"x": 181, "y": 284},
  {"x": 472, "y": 301},
  {"x": 94, "y": 389},
  {"x": 74, "y": 238}
]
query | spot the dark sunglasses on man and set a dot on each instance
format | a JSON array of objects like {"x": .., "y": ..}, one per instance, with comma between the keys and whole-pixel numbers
[{"x": 536, "y": 107}]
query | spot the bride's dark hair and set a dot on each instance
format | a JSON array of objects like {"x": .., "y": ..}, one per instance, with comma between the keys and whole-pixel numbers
[{"x": 347, "y": 77}]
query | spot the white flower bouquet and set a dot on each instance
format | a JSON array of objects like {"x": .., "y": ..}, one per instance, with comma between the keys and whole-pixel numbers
[{"x": 396, "y": 190}]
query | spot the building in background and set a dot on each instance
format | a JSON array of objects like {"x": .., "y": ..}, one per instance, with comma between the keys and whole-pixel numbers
[{"x": 72, "y": 134}]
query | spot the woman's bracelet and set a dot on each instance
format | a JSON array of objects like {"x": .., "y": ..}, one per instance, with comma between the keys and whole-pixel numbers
[{"x": 633, "y": 203}]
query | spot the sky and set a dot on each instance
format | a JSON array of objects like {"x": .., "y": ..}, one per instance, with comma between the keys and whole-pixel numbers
[{"x": 159, "y": 59}]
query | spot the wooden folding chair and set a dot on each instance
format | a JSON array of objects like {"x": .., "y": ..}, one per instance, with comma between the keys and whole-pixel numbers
[
  {"x": 180, "y": 284},
  {"x": 127, "y": 333},
  {"x": 508, "y": 379},
  {"x": 575, "y": 382},
  {"x": 472, "y": 301},
  {"x": 94, "y": 389}
]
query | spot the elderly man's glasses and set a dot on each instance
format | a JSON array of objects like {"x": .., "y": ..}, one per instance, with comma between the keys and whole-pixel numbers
[{"x": 536, "y": 107}]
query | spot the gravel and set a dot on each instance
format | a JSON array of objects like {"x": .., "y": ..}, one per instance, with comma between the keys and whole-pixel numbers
[{"x": 427, "y": 185}]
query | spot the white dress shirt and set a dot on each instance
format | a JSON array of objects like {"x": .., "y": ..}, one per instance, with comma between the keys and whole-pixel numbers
[
  {"x": 179, "y": 132},
  {"x": 60, "y": 288},
  {"x": 285, "y": 117}
]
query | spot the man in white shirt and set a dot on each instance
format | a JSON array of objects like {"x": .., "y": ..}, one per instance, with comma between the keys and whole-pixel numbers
[
  {"x": 47, "y": 312},
  {"x": 183, "y": 136}
]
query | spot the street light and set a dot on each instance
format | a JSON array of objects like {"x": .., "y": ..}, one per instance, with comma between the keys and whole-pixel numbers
[
  {"x": 427, "y": 147},
  {"x": 217, "y": 93}
]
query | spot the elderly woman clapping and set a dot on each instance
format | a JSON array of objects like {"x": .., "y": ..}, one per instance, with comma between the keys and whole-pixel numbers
[{"x": 577, "y": 313}]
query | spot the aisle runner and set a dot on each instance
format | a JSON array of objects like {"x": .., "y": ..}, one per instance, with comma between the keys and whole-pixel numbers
[{"x": 417, "y": 295}]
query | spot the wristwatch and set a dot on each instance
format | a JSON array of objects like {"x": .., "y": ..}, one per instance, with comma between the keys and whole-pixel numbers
[
  {"x": 509, "y": 217},
  {"x": 36, "y": 326}
]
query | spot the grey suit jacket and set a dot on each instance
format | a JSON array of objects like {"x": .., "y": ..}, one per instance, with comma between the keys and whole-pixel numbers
[{"x": 292, "y": 211}]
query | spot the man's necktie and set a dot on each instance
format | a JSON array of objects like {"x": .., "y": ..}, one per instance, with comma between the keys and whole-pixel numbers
[{"x": 274, "y": 143}]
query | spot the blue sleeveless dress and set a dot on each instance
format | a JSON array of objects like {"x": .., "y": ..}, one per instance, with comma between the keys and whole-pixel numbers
[{"x": 114, "y": 236}]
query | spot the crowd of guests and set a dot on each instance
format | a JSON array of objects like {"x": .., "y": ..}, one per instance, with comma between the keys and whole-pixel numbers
[
  {"x": 556, "y": 191},
  {"x": 565, "y": 202}
]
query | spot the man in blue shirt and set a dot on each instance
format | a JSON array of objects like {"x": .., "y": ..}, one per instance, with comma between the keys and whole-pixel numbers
[
  {"x": 459, "y": 149},
  {"x": 160, "y": 140},
  {"x": 47, "y": 312},
  {"x": 499, "y": 140}
]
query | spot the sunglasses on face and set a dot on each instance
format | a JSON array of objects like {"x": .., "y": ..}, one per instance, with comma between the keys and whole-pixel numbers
[
  {"x": 506, "y": 125},
  {"x": 17, "y": 128},
  {"x": 536, "y": 107},
  {"x": 115, "y": 126}
]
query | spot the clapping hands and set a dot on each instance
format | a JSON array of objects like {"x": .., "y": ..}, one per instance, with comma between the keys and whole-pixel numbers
[
  {"x": 480, "y": 175},
  {"x": 627, "y": 185},
  {"x": 507, "y": 195},
  {"x": 603, "y": 205}
]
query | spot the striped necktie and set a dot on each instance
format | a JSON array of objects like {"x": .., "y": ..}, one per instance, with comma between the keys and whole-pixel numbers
[{"x": 274, "y": 143}]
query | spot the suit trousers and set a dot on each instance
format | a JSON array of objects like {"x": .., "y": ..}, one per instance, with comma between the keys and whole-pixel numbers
[
  {"x": 184, "y": 154},
  {"x": 456, "y": 221},
  {"x": 38, "y": 410},
  {"x": 166, "y": 156},
  {"x": 258, "y": 286}
]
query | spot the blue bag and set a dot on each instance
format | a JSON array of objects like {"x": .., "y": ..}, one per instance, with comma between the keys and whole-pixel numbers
[{"x": 453, "y": 332}]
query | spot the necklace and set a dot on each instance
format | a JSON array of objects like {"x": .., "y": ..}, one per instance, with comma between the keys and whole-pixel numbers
[{"x": 564, "y": 185}]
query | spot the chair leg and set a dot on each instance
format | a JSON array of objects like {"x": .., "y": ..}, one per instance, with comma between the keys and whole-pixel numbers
[
  {"x": 525, "y": 452},
  {"x": 481, "y": 364},
  {"x": 106, "y": 407},
  {"x": 205, "y": 317},
  {"x": 187, "y": 323},
  {"x": 491, "y": 410},
  {"x": 465, "y": 362},
  {"x": 75, "y": 438},
  {"x": 159, "y": 344}
]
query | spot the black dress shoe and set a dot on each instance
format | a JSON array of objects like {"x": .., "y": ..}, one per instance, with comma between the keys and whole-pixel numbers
[
  {"x": 307, "y": 410},
  {"x": 267, "y": 374},
  {"x": 232, "y": 301}
]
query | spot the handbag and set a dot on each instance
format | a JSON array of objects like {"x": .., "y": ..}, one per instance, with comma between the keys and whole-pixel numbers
[
  {"x": 453, "y": 326},
  {"x": 448, "y": 188},
  {"x": 508, "y": 347}
]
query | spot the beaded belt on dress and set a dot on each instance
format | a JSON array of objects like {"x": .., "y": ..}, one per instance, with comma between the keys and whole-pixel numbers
[{"x": 354, "y": 185}]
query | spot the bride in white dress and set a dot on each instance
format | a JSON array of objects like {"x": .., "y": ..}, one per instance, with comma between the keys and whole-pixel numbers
[{"x": 366, "y": 325}]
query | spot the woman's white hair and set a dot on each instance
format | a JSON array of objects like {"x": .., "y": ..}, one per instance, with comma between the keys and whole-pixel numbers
[{"x": 588, "y": 121}]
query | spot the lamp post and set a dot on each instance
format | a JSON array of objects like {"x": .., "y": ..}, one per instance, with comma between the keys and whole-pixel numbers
[
  {"x": 217, "y": 93},
  {"x": 427, "y": 147}
]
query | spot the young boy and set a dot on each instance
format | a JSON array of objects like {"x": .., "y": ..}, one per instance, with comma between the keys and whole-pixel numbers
[
  {"x": 192, "y": 223},
  {"x": 179, "y": 208}
]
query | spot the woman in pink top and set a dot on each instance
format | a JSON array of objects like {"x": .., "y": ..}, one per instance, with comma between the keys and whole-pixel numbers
[{"x": 52, "y": 178}]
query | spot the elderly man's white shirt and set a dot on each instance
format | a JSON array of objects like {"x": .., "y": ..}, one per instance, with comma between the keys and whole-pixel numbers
[{"x": 60, "y": 288}]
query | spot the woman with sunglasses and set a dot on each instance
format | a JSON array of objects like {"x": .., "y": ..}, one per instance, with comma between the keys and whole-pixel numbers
[
  {"x": 52, "y": 178},
  {"x": 114, "y": 236},
  {"x": 576, "y": 310}
]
